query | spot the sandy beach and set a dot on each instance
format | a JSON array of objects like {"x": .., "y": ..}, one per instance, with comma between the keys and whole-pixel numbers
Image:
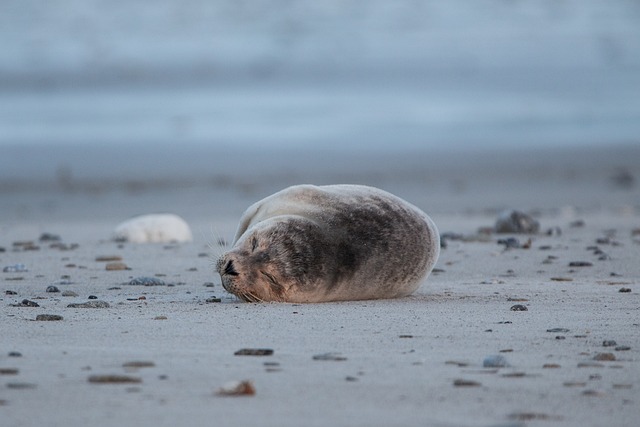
[{"x": 547, "y": 333}]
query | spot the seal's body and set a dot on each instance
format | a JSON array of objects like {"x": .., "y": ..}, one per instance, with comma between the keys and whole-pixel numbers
[{"x": 329, "y": 243}]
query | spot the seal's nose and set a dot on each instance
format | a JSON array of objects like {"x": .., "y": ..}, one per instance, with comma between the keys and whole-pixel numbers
[{"x": 229, "y": 269}]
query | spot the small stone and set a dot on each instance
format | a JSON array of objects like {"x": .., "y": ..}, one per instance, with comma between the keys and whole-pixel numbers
[
  {"x": 254, "y": 352},
  {"x": 622, "y": 348},
  {"x": 21, "y": 386},
  {"x": 108, "y": 258},
  {"x": 624, "y": 290},
  {"x": 495, "y": 361},
  {"x": 510, "y": 243},
  {"x": 213, "y": 299},
  {"x": 52, "y": 289},
  {"x": 10, "y": 292},
  {"x": 90, "y": 304},
  {"x": 69, "y": 294},
  {"x": 550, "y": 366},
  {"x": 580, "y": 264},
  {"x": 15, "y": 268},
  {"x": 146, "y": 281},
  {"x": 14, "y": 354},
  {"x": 518, "y": 307},
  {"x": 590, "y": 365},
  {"x": 466, "y": 383},
  {"x": 26, "y": 303},
  {"x": 577, "y": 223},
  {"x": 9, "y": 371},
  {"x": 160, "y": 318},
  {"x": 48, "y": 317},
  {"x": 516, "y": 222},
  {"x": 116, "y": 266},
  {"x": 237, "y": 388},
  {"x": 137, "y": 364},
  {"x": 562, "y": 279},
  {"x": 555, "y": 330},
  {"x": 561, "y": 337},
  {"x": 93, "y": 297},
  {"x": 609, "y": 343},
  {"x": 574, "y": 384},
  {"x": 49, "y": 237},
  {"x": 554, "y": 231},
  {"x": 113, "y": 379},
  {"x": 336, "y": 357},
  {"x": 593, "y": 393},
  {"x": 605, "y": 357}
]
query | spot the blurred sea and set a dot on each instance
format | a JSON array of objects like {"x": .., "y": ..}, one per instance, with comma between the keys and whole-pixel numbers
[{"x": 114, "y": 78}]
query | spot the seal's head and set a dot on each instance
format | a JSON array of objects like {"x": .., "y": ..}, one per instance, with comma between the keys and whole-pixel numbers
[{"x": 272, "y": 261}]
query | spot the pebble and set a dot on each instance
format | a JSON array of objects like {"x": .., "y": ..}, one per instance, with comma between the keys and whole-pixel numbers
[
  {"x": 137, "y": 364},
  {"x": 335, "y": 357},
  {"x": 254, "y": 352},
  {"x": 495, "y": 361},
  {"x": 21, "y": 386},
  {"x": 624, "y": 290},
  {"x": 49, "y": 237},
  {"x": 90, "y": 304},
  {"x": 577, "y": 223},
  {"x": 108, "y": 258},
  {"x": 237, "y": 388},
  {"x": 510, "y": 243},
  {"x": 518, "y": 307},
  {"x": 605, "y": 357},
  {"x": 92, "y": 297},
  {"x": 554, "y": 231},
  {"x": 466, "y": 383},
  {"x": 609, "y": 343},
  {"x": 48, "y": 317},
  {"x": 113, "y": 379},
  {"x": 561, "y": 279},
  {"x": 580, "y": 264},
  {"x": 213, "y": 299},
  {"x": 26, "y": 303},
  {"x": 513, "y": 221},
  {"x": 550, "y": 366},
  {"x": 146, "y": 281},
  {"x": 554, "y": 330},
  {"x": 9, "y": 371},
  {"x": 10, "y": 292},
  {"x": 15, "y": 268},
  {"x": 69, "y": 294},
  {"x": 116, "y": 266},
  {"x": 622, "y": 348},
  {"x": 52, "y": 289},
  {"x": 14, "y": 354}
]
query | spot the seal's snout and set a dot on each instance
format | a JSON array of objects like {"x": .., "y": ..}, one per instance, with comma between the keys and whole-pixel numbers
[{"x": 229, "y": 269}]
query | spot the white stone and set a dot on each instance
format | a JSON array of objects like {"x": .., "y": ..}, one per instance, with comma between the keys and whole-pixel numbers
[{"x": 154, "y": 228}]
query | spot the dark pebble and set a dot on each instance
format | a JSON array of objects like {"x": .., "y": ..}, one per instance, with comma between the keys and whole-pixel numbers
[
  {"x": 518, "y": 307},
  {"x": 10, "y": 292},
  {"x": 577, "y": 224},
  {"x": 49, "y": 237},
  {"x": 558, "y": 330},
  {"x": 336, "y": 357},
  {"x": 113, "y": 379},
  {"x": 561, "y": 337},
  {"x": 9, "y": 371},
  {"x": 209, "y": 285},
  {"x": 48, "y": 317},
  {"x": 27, "y": 303},
  {"x": 625, "y": 290},
  {"x": 495, "y": 361},
  {"x": 14, "y": 354},
  {"x": 466, "y": 383},
  {"x": 580, "y": 264},
  {"x": 510, "y": 243},
  {"x": 21, "y": 386},
  {"x": 213, "y": 299},
  {"x": 554, "y": 231},
  {"x": 52, "y": 289},
  {"x": 90, "y": 304},
  {"x": 254, "y": 352},
  {"x": 147, "y": 281},
  {"x": 623, "y": 348},
  {"x": 108, "y": 258},
  {"x": 137, "y": 364},
  {"x": 93, "y": 297},
  {"x": 609, "y": 343}
]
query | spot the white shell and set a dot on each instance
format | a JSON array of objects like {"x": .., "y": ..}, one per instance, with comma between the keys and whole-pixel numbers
[{"x": 153, "y": 228}]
